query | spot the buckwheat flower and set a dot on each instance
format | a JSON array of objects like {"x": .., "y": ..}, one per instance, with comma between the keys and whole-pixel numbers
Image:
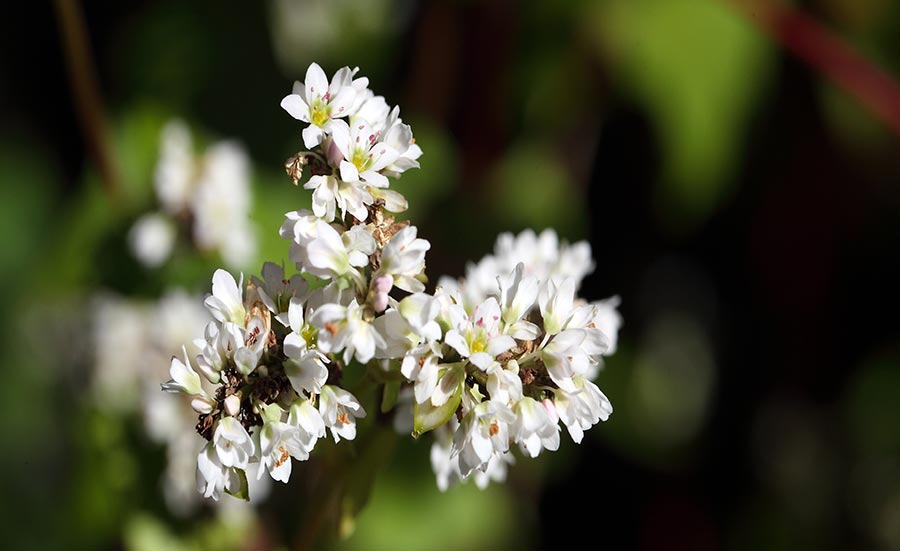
[
  {"x": 565, "y": 358},
  {"x": 534, "y": 428},
  {"x": 444, "y": 462},
  {"x": 342, "y": 328},
  {"x": 482, "y": 432},
  {"x": 332, "y": 255},
  {"x": 278, "y": 443},
  {"x": 320, "y": 104},
  {"x": 339, "y": 410},
  {"x": 404, "y": 258},
  {"x": 213, "y": 352},
  {"x": 504, "y": 383},
  {"x": 364, "y": 155},
  {"x": 517, "y": 299},
  {"x": 151, "y": 239},
  {"x": 173, "y": 178},
  {"x": 373, "y": 110},
  {"x": 226, "y": 304},
  {"x": 608, "y": 320},
  {"x": 400, "y": 138},
  {"x": 478, "y": 338},
  {"x": 495, "y": 470},
  {"x": 308, "y": 421},
  {"x": 249, "y": 344},
  {"x": 276, "y": 291},
  {"x": 583, "y": 408},
  {"x": 184, "y": 378},
  {"x": 213, "y": 477},
  {"x": 331, "y": 194},
  {"x": 304, "y": 367},
  {"x": 234, "y": 447},
  {"x": 221, "y": 204},
  {"x": 557, "y": 304}
]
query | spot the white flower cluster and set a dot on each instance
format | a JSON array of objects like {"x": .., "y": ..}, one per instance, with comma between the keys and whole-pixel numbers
[
  {"x": 210, "y": 193},
  {"x": 490, "y": 363}
]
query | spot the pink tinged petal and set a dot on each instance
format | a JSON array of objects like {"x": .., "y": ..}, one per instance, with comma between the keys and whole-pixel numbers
[
  {"x": 316, "y": 83},
  {"x": 312, "y": 136},
  {"x": 349, "y": 172},
  {"x": 296, "y": 107},
  {"x": 487, "y": 315}
]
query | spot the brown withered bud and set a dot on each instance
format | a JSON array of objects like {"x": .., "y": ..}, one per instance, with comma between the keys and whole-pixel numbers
[{"x": 294, "y": 167}]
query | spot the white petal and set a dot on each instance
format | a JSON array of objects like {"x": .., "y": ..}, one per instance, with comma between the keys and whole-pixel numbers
[{"x": 296, "y": 107}]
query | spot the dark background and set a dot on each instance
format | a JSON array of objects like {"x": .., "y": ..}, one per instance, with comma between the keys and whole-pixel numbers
[{"x": 757, "y": 386}]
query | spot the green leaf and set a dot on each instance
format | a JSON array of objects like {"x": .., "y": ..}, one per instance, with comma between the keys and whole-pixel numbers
[
  {"x": 389, "y": 398},
  {"x": 427, "y": 417},
  {"x": 242, "y": 492}
]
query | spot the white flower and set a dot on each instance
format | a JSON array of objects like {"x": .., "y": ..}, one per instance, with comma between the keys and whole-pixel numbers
[
  {"x": 478, "y": 338},
  {"x": 373, "y": 110},
  {"x": 234, "y": 447},
  {"x": 557, "y": 304},
  {"x": 565, "y": 357},
  {"x": 342, "y": 328},
  {"x": 304, "y": 367},
  {"x": 339, "y": 410},
  {"x": 583, "y": 408},
  {"x": 608, "y": 320},
  {"x": 534, "y": 428},
  {"x": 277, "y": 292},
  {"x": 331, "y": 254},
  {"x": 226, "y": 304},
  {"x": 308, "y": 421},
  {"x": 221, "y": 205},
  {"x": 174, "y": 174},
  {"x": 495, "y": 470},
  {"x": 364, "y": 155},
  {"x": 184, "y": 378},
  {"x": 543, "y": 257},
  {"x": 399, "y": 137},
  {"x": 248, "y": 343},
  {"x": 318, "y": 103},
  {"x": 517, "y": 299},
  {"x": 443, "y": 461},
  {"x": 151, "y": 239},
  {"x": 331, "y": 193},
  {"x": 483, "y": 431},
  {"x": 278, "y": 442},
  {"x": 504, "y": 384},
  {"x": 213, "y": 477},
  {"x": 404, "y": 259}
]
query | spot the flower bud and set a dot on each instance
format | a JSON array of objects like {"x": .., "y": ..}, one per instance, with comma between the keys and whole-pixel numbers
[
  {"x": 551, "y": 409},
  {"x": 233, "y": 405}
]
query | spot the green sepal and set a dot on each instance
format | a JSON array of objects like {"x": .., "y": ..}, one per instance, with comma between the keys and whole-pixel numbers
[
  {"x": 389, "y": 397},
  {"x": 242, "y": 492}
]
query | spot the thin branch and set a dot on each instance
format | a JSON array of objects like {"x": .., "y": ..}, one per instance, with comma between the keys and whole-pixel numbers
[
  {"x": 86, "y": 91},
  {"x": 828, "y": 53}
]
